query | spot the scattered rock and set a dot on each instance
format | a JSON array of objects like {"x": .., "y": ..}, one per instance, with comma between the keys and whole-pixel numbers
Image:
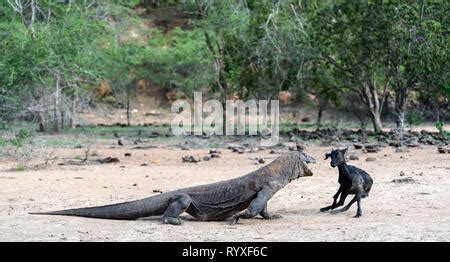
[
  {"x": 370, "y": 159},
  {"x": 157, "y": 191},
  {"x": 443, "y": 150},
  {"x": 206, "y": 158},
  {"x": 353, "y": 157},
  {"x": 381, "y": 138},
  {"x": 274, "y": 151},
  {"x": 108, "y": 160},
  {"x": 395, "y": 144},
  {"x": 372, "y": 148},
  {"x": 261, "y": 160},
  {"x": 190, "y": 159},
  {"x": 214, "y": 151},
  {"x": 358, "y": 146},
  {"x": 412, "y": 142},
  {"x": 134, "y": 184},
  {"x": 404, "y": 180},
  {"x": 300, "y": 146},
  {"x": 401, "y": 150},
  {"x": 402, "y": 173},
  {"x": 144, "y": 164},
  {"x": 127, "y": 154},
  {"x": 306, "y": 119}
]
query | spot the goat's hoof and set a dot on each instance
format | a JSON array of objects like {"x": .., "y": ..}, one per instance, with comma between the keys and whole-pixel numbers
[
  {"x": 357, "y": 215},
  {"x": 324, "y": 209}
]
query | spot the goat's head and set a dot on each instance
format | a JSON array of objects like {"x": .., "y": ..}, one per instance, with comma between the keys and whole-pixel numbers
[{"x": 337, "y": 157}]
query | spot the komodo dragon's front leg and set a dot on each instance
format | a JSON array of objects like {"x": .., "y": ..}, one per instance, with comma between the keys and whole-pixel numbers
[{"x": 258, "y": 205}]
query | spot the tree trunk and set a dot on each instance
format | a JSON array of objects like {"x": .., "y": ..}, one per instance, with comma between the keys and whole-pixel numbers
[
  {"x": 376, "y": 121},
  {"x": 128, "y": 104},
  {"x": 373, "y": 104},
  {"x": 56, "y": 111},
  {"x": 400, "y": 99},
  {"x": 322, "y": 105},
  {"x": 41, "y": 114},
  {"x": 319, "y": 117},
  {"x": 73, "y": 119}
]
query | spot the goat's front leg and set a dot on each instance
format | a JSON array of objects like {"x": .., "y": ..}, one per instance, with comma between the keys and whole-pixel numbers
[
  {"x": 357, "y": 196},
  {"x": 257, "y": 205},
  {"x": 266, "y": 215},
  {"x": 335, "y": 197}
]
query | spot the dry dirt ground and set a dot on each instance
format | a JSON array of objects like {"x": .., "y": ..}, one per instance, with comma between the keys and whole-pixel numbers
[{"x": 417, "y": 211}]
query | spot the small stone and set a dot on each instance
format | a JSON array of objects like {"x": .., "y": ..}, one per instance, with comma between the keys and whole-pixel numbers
[
  {"x": 306, "y": 119},
  {"x": 127, "y": 154},
  {"x": 358, "y": 146},
  {"x": 206, "y": 158},
  {"x": 401, "y": 150},
  {"x": 404, "y": 180},
  {"x": 261, "y": 160},
  {"x": 190, "y": 159},
  {"x": 402, "y": 173},
  {"x": 134, "y": 184},
  {"x": 443, "y": 150},
  {"x": 353, "y": 157},
  {"x": 371, "y": 148},
  {"x": 214, "y": 151},
  {"x": 370, "y": 159}
]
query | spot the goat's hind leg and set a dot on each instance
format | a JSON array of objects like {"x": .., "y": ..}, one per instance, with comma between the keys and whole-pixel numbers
[
  {"x": 347, "y": 206},
  {"x": 178, "y": 204},
  {"x": 358, "y": 202}
]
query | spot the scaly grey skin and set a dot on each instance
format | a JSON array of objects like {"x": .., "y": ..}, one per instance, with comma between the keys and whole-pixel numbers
[
  {"x": 352, "y": 180},
  {"x": 242, "y": 197}
]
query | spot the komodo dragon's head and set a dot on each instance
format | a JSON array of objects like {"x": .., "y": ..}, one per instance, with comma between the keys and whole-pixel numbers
[{"x": 294, "y": 165}]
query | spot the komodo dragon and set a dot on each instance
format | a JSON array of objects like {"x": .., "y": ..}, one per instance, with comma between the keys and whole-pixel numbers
[{"x": 242, "y": 197}]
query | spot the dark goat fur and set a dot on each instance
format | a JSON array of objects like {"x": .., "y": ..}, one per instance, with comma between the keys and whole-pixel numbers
[{"x": 352, "y": 180}]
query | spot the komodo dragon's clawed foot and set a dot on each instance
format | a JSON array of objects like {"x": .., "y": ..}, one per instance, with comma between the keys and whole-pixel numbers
[
  {"x": 233, "y": 221},
  {"x": 173, "y": 221}
]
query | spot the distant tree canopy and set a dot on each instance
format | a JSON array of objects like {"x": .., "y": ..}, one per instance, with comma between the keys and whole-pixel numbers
[{"x": 54, "y": 52}]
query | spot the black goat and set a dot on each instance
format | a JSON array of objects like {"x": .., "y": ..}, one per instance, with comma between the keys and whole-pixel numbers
[{"x": 352, "y": 180}]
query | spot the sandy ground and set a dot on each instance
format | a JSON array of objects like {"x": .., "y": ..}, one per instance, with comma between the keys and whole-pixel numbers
[{"x": 418, "y": 211}]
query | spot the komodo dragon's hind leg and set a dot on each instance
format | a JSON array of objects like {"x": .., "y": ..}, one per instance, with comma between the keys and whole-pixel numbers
[{"x": 178, "y": 204}]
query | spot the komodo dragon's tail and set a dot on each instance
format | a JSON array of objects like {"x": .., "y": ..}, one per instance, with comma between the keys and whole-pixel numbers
[{"x": 154, "y": 205}]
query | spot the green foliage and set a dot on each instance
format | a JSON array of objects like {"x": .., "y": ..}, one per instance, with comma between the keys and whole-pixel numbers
[
  {"x": 334, "y": 50},
  {"x": 23, "y": 136},
  {"x": 440, "y": 127},
  {"x": 179, "y": 60},
  {"x": 413, "y": 118}
]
